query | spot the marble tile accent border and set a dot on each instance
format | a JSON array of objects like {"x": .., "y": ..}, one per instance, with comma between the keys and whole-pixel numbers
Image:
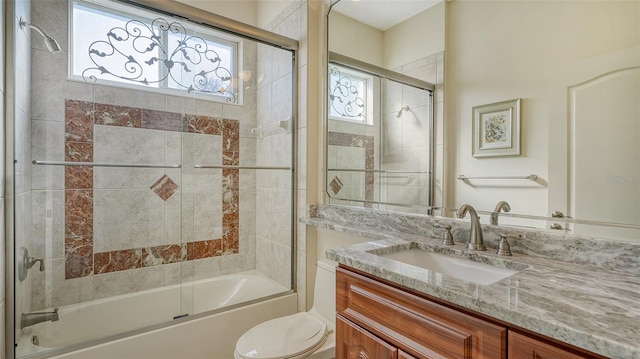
[
  {"x": 80, "y": 119},
  {"x": 114, "y": 261},
  {"x": 204, "y": 249},
  {"x": 366, "y": 142}
]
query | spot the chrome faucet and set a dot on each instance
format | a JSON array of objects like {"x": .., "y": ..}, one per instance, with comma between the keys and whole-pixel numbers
[
  {"x": 29, "y": 319},
  {"x": 501, "y": 206},
  {"x": 476, "y": 243}
]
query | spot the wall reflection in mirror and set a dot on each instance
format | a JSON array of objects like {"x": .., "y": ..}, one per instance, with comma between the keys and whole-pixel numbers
[
  {"x": 380, "y": 134},
  {"x": 577, "y": 77}
]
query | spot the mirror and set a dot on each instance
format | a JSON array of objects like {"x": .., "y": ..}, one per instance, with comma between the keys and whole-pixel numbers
[
  {"x": 560, "y": 55},
  {"x": 383, "y": 96}
]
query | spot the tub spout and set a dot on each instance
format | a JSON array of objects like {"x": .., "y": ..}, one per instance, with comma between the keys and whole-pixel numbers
[{"x": 29, "y": 319}]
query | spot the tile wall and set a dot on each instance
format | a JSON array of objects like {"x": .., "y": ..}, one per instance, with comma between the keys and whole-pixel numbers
[
  {"x": 19, "y": 103},
  {"x": 274, "y": 202},
  {"x": 114, "y": 223},
  {"x": 105, "y": 231}
]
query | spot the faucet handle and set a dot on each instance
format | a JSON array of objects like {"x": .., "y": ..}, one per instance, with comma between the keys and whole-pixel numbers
[
  {"x": 504, "y": 249},
  {"x": 447, "y": 238}
]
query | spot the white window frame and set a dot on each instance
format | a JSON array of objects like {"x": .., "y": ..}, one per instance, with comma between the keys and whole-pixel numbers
[
  {"x": 367, "y": 95},
  {"x": 205, "y": 33}
]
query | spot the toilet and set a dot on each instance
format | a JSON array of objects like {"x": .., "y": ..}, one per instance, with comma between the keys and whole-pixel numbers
[{"x": 302, "y": 335}]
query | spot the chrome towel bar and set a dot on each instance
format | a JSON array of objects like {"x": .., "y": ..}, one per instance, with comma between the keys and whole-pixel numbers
[
  {"x": 102, "y": 164},
  {"x": 529, "y": 177}
]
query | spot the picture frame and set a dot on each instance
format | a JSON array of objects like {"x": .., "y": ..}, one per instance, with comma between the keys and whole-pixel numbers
[{"x": 496, "y": 129}]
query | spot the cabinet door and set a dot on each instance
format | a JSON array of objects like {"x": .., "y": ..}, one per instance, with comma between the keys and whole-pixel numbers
[
  {"x": 525, "y": 347},
  {"x": 417, "y": 325},
  {"x": 353, "y": 342}
]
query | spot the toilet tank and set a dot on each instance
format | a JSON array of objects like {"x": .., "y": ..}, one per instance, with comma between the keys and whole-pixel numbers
[{"x": 324, "y": 301}]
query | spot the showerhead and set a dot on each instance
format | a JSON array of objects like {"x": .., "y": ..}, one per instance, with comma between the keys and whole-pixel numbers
[
  {"x": 52, "y": 45},
  {"x": 405, "y": 108},
  {"x": 49, "y": 42}
]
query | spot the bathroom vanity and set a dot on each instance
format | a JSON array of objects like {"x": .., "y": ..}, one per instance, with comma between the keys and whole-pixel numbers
[
  {"x": 376, "y": 319},
  {"x": 558, "y": 296}
]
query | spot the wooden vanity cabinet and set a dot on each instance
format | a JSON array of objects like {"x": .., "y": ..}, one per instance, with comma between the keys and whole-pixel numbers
[
  {"x": 376, "y": 320},
  {"x": 413, "y": 326}
]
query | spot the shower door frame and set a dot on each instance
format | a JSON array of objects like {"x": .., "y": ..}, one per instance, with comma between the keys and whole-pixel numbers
[
  {"x": 191, "y": 14},
  {"x": 383, "y": 73}
]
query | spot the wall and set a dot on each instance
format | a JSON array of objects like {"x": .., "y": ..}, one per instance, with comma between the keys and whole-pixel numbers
[
  {"x": 356, "y": 40},
  {"x": 417, "y": 37},
  {"x": 292, "y": 19},
  {"x": 494, "y": 53},
  {"x": 138, "y": 239},
  {"x": 268, "y": 10},
  {"x": 243, "y": 11},
  {"x": 292, "y": 22}
]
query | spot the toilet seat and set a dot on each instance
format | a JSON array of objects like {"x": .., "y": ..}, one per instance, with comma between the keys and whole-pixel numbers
[{"x": 286, "y": 337}]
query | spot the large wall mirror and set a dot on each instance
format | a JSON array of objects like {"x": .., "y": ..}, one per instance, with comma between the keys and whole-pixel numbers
[{"x": 576, "y": 74}]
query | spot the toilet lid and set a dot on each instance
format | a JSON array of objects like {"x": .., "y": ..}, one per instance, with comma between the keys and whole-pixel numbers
[{"x": 283, "y": 337}]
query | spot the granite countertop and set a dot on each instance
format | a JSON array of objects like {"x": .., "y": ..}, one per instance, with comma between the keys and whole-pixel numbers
[{"x": 586, "y": 306}]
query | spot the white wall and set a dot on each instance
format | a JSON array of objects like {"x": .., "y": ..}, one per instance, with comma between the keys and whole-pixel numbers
[
  {"x": 501, "y": 50},
  {"x": 355, "y": 39},
  {"x": 418, "y": 37},
  {"x": 243, "y": 11},
  {"x": 267, "y": 10},
  {"x": 258, "y": 13}
]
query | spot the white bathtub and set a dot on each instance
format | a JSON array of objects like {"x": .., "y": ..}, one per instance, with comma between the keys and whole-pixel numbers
[{"x": 102, "y": 318}]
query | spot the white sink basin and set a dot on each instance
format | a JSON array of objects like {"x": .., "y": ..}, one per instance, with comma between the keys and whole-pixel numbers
[{"x": 475, "y": 272}]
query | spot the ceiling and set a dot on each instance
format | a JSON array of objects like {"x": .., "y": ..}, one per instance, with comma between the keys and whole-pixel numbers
[{"x": 382, "y": 14}]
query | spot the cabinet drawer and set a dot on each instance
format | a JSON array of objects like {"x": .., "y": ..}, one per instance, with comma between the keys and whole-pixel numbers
[
  {"x": 524, "y": 346},
  {"x": 416, "y": 325}
]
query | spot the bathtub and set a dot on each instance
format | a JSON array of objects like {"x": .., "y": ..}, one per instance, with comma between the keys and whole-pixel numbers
[{"x": 111, "y": 316}]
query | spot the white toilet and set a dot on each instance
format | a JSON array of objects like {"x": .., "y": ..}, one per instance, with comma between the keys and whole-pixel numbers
[{"x": 302, "y": 335}]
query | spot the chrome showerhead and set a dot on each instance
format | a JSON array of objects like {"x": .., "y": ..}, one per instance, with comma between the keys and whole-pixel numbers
[
  {"x": 405, "y": 108},
  {"x": 49, "y": 42},
  {"x": 52, "y": 45}
]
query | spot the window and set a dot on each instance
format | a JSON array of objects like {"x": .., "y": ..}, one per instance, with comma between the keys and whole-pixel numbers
[
  {"x": 122, "y": 46},
  {"x": 348, "y": 93}
]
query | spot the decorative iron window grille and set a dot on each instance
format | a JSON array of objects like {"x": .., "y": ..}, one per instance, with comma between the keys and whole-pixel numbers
[
  {"x": 160, "y": 54},
  {"x": 347, "y": 95}
]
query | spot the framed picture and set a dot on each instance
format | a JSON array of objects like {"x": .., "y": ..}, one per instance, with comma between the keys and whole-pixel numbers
[{"x": 496, "y": 129}]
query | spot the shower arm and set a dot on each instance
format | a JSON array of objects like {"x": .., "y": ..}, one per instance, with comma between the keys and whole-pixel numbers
[
  {"x": 49, "y": 42},
  {"x": 24, "y": 24}
]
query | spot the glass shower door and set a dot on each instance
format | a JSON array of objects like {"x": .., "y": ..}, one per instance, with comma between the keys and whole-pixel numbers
[{"x": 135, "y": 204}]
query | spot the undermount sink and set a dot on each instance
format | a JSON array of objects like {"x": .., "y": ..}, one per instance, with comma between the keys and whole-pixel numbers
[{"x": 468, "y": 270}]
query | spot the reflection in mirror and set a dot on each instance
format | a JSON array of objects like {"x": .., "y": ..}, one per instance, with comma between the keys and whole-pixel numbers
[
  {"x": 605, "y": 156},
  {"x": 556, "y": 49},
  {"x": 382, "y": 123},
  {"x": 379, "y": 140},
  {"x": 543, "y": 57}
]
